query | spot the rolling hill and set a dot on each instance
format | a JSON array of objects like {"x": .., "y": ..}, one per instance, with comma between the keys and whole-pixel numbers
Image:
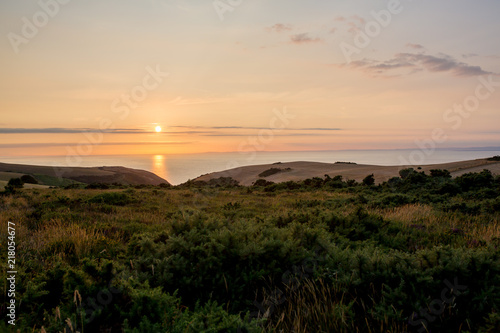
[
  {"x": 61, "y": 176},
  {"x": 296, "y": 171}
]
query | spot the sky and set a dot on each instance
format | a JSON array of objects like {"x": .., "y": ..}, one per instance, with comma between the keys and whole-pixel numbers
[{"x": 97, "y": 77}]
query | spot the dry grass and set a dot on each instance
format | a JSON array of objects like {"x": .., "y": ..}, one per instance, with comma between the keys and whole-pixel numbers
[
  {"x": 315, "y": 306},
  {"x": 58, "y": 238},
  {"x": 474, "y": 226}
]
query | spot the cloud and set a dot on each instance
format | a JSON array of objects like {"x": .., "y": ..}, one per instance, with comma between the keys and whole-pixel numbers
[
  {"x": 285, "y": 134},
  {"x": 86, "y": 130},
  {"x": 469, "y": 55},
  {"x": 259, "y": 128},
  {"x": 415, "y": 46},
  {"x": 279, "y": 27},
  {"x": 409, "y": 63},
  {"x": 304, "y": 38},
  {"x": 170, "y": 131},
  {"x": 71, "y": 131},
  {"x": 52, "y": 144},
  {"x": 354, "y": 23}
]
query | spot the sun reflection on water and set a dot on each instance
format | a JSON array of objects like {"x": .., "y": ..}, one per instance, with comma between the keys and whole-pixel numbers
[{"x": 159, "y": 167}]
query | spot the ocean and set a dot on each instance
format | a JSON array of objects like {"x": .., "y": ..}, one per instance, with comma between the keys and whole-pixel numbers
[{"x": 177, "y": 169}]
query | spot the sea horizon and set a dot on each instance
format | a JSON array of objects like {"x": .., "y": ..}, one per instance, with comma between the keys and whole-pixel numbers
[{"x": 179, "y": 168}]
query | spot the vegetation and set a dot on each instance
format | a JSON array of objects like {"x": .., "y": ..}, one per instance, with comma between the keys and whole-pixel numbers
[
  {"x": 29, "y": 179},
  {"x": 272, "y": 171},
  {"x": 419, "y": 252}
]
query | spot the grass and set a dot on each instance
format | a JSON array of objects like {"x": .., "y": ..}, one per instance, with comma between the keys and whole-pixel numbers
[
  {"x": 44, "y": 181},
  {"x": 317, "y": 258}
]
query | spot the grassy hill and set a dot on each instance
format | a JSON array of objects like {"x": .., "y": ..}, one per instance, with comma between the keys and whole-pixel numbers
[
  {"x": 64, "y": 176},
  {"x": 421, "y": 251},
  {"x": 297, "y": 171}
]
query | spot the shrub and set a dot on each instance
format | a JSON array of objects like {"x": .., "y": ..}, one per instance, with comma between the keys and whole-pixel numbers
[
  {"x": 97, "y": 186},
  {"x": 28, "y": 179},
  {"x": 113, "y": 198},
  {"x": 369, "y": 180},
  {"x": 436, "y": 173},
  {"x": 272, "y": 171},
  {"x": 351, "y": 182},
  {"x": 474, "y": 181},
  {"x": 262, "y": 182},
  {"x": 405, "y": 173},
  {"x": 15, "y": 183}
]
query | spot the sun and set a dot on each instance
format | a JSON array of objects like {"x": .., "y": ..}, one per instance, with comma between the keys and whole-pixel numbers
[{"x": 158, "y": 129}]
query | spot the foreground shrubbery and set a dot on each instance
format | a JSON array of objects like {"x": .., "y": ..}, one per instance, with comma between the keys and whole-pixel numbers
[{"x": 321, "y": 255}]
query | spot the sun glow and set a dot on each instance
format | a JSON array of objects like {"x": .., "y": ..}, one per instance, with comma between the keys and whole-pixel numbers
[{"x": 158, "y": 129}]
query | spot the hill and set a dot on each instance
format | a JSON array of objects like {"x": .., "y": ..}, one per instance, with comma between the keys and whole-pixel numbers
[
  {"x": 61, "y": 176},
  {"x": 418, "y": 255},
  {"x": 297, "y": 171}
]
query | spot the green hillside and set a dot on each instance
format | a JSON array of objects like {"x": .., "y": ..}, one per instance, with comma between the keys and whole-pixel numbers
[{"x": 322, "y": 255}]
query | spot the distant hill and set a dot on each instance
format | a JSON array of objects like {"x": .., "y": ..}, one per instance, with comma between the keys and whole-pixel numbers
[
  {"x": 61, "y": 176},
  {"x": 297, "y": 171}
]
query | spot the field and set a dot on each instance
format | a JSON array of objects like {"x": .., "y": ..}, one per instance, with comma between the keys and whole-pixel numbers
[
  {"x": 6, "y": 176},
  {"x": 64, "y": 176},
  {"x": 417, "y": 253}
]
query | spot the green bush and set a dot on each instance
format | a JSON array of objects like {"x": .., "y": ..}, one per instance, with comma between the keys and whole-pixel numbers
[
  {"x": 369, "y": 180},
  {"x": 28, "y": 179},
  {"x": 270, "y": 172},
  {"x": 112, "y": 198}
]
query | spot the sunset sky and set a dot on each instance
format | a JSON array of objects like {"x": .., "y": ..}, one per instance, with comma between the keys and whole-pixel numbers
[{"x": 99, "y": 76}]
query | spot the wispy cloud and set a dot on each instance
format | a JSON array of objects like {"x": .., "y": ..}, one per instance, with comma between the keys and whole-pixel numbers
[
  {"x": 259, "y": 128},
  {"x": 304, "y": 38},
  {"x": 172, "y": 131},
  {"x": 57, "y": 130},
  {"x": 279, "y": 27},
  {"x": 284, "y": 134},
  {"x": 354, "y": 23},
  {"x": 74, "y": 144},
  {"x": 415, "y": 46},
  {"x": 409, "y": 63}
]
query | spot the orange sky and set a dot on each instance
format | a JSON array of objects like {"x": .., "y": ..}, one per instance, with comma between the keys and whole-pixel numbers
[{"x": 97, "y": 78}]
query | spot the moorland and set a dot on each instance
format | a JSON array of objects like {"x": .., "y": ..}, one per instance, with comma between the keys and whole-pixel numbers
[{"x": 416, "y": 253}]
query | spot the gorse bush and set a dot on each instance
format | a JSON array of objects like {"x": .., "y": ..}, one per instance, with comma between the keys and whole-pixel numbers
[
  {"x": 325, "y": 254},
  {"x": 113, "y": 198}
]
